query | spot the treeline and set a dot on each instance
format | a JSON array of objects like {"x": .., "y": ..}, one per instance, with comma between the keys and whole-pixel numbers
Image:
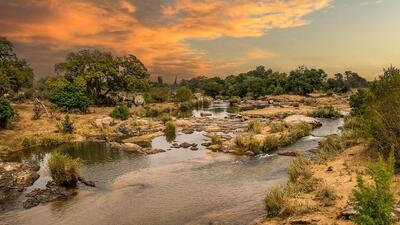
[{"x": 262, "y": 81}]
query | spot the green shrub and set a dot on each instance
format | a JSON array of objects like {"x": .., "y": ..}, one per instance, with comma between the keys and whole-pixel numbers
[
  {"x": 63, "y": 169},
  {"x": 66, "y": 125},
  {"x": 151, "y": 112},
  {"x": 51, "y": 141},
  {"x": 29, "y": 142},
  {"x": 270, "y": 143},
  {"x": 327, "y": 195},
  {"x": 215, "y": 139},
  {"x": 254, "y": 126},
  {"x": 375, "y": 202},
  {"x": 234, "y": 100},
  {"x": 327, "y": 111},
  {"x": 276, "y": 201},
  {"x": 359, "y": 101},
  {"x": 6, "y": 113},
  {"x": 37, "y": 112},
  {"x": 183, "y": 94},
  {"x": 185, "y": 107},
  {"x": 331, "y": 146},
  {"x": 299, "y": 168},
  {"x": 170, "y": 130},
  {"x": 120, "y": 112},
  {"x": 70, "y": 98},
  {"x": 165, "y": 117}
]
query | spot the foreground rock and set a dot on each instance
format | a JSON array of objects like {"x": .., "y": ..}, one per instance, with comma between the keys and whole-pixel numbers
[
  {"x": 131, "y": 147},
  {"x": 50, "y": 194},
  {"x": 14, "y": 178},
  {"x": 294, "y": 119}
]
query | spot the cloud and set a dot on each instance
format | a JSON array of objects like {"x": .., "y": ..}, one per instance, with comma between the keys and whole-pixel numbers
[
  {"x": 154, "y": 30},
  {"x": 365, "y": 3}
]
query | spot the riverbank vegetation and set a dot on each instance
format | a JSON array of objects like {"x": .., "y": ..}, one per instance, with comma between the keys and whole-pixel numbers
[{"x": 63, "y": 169}]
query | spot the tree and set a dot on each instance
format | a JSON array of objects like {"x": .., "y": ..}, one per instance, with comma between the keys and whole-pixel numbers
[
  {"x": 183, "y": 94},
  {"x": 6, "y": 112},
  {"x": 71, "y": 97},
  {"x": 337, "y": 84},
  {"x": 304, "y": 81},
  {"x": 15, "y": 73},
  {"x": 353, "y": 80},
  {"x": 101, "y": 73}
]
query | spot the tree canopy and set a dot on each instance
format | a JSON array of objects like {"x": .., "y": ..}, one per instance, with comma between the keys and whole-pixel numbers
[
  {"x": 15, "y": 73},
  {"x": 100, "y": 73}
]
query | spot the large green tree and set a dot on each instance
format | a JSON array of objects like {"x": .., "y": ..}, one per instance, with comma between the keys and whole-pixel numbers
[
  {"x": 100, "y": 73},
  {"x": 15, "y": 73},
  {"x": 304, "y": 81}
]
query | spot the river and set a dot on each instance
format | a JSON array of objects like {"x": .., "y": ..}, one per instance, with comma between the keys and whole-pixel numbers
[{"x": 177, "y": 187}]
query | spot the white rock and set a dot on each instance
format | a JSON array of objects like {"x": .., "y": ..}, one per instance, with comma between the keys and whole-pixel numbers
[{"x": 301, "y": 118}]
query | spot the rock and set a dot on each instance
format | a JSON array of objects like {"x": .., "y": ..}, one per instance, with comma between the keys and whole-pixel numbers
[
  {"x": 213, "y": 128},
  {"x": 214, "y": 148},
  {"x": 150, "y": 151},
  {"x": 302, "y": 221},
  {"x": 185, "y": 145},
  {"x": 293, "y": 119},
  {"x": 292, "y": 154},
  {"x": 175, "y": 145},
  {"x": 125, "y": 129},
  {"x": 194, "y": 145},
  {"x": 347, "y": 212},
  {"x": 104, "y": 122},
  {"x": 131, "y": 147},
  {"x": 329, "y": 169},
  {"x": 183, "y": 123},
  {"x": 14, "y": 178},
  {"x": 206, "y": 144},
  {"x": 205, "y": 114},
  {"x": 187, "y": 131},
  {"x": 249, "y": 153},
  {"x": 51, "y": 193},
  {"x": 194, "y": 148}
]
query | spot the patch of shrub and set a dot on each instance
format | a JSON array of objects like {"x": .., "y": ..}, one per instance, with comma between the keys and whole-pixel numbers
[
  {"x": 270, "y": 143},
  {"x": 375, "y": 202},
  {"x": 215, "y": 139},
  {"x": 7, "y": 113},
  {"x": 359, "y": 101},
  {"x": 29, "y": 142},
  {"x": 170, "y": 130},
  {"x": 327, "y": 111},
  {"x": 63, "y": 169},
  {"x": 299, "y": 168},
  {"x": 66, "y": 125},
  {"x": 331, "y": 146},
  {"x": 276, "y": 202},
  {"x": 234, "y": 100},
  {"x": 37, "y": 112},
  {"x": 70, "y": 98},
  {"x": 120, "y": 112},
  {"x": 254, "y": 126},
  {"x": 278, "y": 127},
  {"x": 52, "y": 140},
  {"x": 327, "y": 195},
  {"x": 152, "y": 112},
  {"x": 165, "y": 117},
  {"x": 183, "y": 94}
]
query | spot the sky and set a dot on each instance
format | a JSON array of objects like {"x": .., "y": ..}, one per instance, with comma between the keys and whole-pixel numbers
[{"x": 186, "y": 38}]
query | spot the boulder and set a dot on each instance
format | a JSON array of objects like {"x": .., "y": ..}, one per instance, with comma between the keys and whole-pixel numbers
[
  {"x": 104, "y": 122},
  {"x": 183, "y": 123},
  {"x": 205, "y": 114},
  {"x": 294, "y": 119},
  {"x": 185, "y": 145},
  {"x": 292, "y": 154},
  {"x": 131, "y": 147},
  {"x": 249, "y": 153},
  {"x": 194, "y": 148},
  {"x": 347, "y": 212},
  {"x": 14, "y": 178},
  {"x": 50, "y": 194}
]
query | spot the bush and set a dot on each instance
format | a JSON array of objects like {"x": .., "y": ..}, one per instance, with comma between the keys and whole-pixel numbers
[
  {"x": 234, "y": 100},
  {"x": 299, "y": 168},
  {"x": 52, "y": 140},
  {"x": 66, "y": 125},
  {"x": 120, "y": 112},
  {"x": 70, "y": 98},
  {"x": 215, "y": 140},
  {"x": 327, "y": 111},
  {"x": 359, "y": 101},
  {"x": 329, "y": 147},
  {"x": 63, "y": 169},
  {"x": 170, "y": 131},
  {"x": 29, "y": 142},
  {"x": 254, "y": 126},
  {"x": 6, "y": 113},
  {"x": 327, "y": 195},
  {"x": 165, "y": 117},
  {"x": 375, "y": 202},
  {"x": 276, "y": 201},
  {"x": 37, "y": 111},
  {"x": 185, "y": 107},
  {"x": 183, "y": 94}
]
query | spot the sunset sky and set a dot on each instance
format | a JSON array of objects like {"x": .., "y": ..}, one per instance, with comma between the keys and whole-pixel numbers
[{"x": 186, "y": 38}]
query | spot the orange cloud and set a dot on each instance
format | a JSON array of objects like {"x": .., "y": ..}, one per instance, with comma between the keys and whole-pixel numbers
[{"x": 162, "y": 45}]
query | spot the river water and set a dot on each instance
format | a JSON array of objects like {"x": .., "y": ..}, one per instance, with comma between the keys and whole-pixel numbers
[{"x": 177, "y": 187}]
